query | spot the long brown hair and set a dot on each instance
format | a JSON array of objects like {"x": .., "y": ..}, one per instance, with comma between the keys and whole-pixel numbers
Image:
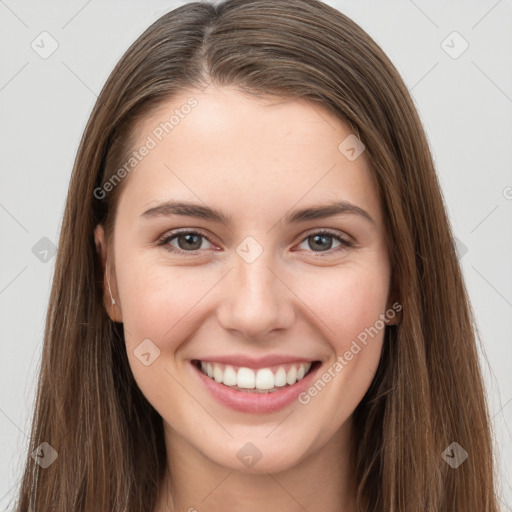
[{"x": 428, "y": 390}]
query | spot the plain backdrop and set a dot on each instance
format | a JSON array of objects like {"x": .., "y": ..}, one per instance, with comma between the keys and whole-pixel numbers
[{"x": 456, "y": 59}]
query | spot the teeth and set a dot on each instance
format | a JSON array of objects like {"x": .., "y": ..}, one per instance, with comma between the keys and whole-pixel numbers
[
  {"x": 280, "y": 377},
  {"x": 263, "y": 379},
  {"x": 291, "y": 376},
  {"x": 230, "y": 376},
  {"x": 217, "y": 373},
  {"x": 245, "y": 378}
]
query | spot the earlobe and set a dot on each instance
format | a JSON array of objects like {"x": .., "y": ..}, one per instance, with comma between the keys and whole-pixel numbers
[
  {"x": 393, "y": 313},
  {"x": 111, "y": 305},
  {"x": 392, "y": 321}
]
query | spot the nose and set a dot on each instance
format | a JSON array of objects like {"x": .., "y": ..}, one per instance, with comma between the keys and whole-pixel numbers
[{"x": 256, "y": 299}]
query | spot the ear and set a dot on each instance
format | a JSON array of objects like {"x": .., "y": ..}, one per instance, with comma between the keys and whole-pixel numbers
[
  {"x": 110, "y": 293},
  {"x": 393, "y": 311}
]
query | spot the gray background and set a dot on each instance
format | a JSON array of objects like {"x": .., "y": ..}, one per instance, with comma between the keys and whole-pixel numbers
[{"x": 465, "y": 102}]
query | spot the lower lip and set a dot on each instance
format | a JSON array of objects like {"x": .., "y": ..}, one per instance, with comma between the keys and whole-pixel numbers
[{"x": 256, "y": 403}]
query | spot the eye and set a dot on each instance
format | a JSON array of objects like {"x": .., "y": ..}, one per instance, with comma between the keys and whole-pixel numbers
[
  {"x": 186, "y": 241},
  {"x": 322, "y": 240},
  {"x": 191, "y": 242}
]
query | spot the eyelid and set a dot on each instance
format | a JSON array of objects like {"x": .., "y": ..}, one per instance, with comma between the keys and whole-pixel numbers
[{"x": 326, "y": 231}]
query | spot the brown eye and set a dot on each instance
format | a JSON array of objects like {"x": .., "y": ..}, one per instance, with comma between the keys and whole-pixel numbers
[
  {"x": 183, "y": 241},
  {"x": 189, "y": 241},
  {"x": 322, "y": 241}
]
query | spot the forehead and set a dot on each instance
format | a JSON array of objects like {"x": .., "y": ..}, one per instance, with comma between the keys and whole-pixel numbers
[{"x": 247, "y": 154}]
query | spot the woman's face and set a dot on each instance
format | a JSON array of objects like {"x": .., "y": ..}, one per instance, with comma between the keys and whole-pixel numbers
[{"x": 251, "y": 283}]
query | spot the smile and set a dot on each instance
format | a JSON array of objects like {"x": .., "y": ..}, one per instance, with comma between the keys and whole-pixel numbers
[
  {"x": 264, "y": 389},
  {"x": 262, "y": 380}
]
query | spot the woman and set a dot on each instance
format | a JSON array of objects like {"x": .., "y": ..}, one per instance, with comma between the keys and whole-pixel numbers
[{"x": 252, "y": 372}]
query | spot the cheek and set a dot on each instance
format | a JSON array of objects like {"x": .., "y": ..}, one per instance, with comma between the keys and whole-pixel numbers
[
  {"x": 348, "y": 302},
  {"x": 158, "y": 306},
  {"x": 156, "y": 299},
  {"x": 351, "y": 305}
]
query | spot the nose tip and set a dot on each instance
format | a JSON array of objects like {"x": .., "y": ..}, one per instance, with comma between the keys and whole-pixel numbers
[{"x": 256, "y": 301}]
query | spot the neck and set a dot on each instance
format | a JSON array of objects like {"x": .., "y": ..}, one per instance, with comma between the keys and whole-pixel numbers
[{"x": 322, "y": 480}]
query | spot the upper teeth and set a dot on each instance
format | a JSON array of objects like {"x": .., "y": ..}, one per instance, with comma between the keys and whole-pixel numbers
[{"x": 247, "y": 378}]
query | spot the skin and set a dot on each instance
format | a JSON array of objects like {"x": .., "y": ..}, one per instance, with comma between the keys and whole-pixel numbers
[{"x": 255, "y": 160}]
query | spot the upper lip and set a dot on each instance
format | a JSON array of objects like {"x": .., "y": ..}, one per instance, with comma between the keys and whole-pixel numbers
[{"x": 260, "y": 362}]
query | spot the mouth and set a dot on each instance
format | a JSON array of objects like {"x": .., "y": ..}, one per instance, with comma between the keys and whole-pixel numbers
[{"x": 256, "y": 380}]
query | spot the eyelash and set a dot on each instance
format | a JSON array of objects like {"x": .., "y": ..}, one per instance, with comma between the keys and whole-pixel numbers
[{"x": 165, "y": 239}]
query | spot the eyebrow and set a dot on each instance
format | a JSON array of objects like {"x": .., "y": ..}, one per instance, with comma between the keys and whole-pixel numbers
[{"x": 303, "y": 215}]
